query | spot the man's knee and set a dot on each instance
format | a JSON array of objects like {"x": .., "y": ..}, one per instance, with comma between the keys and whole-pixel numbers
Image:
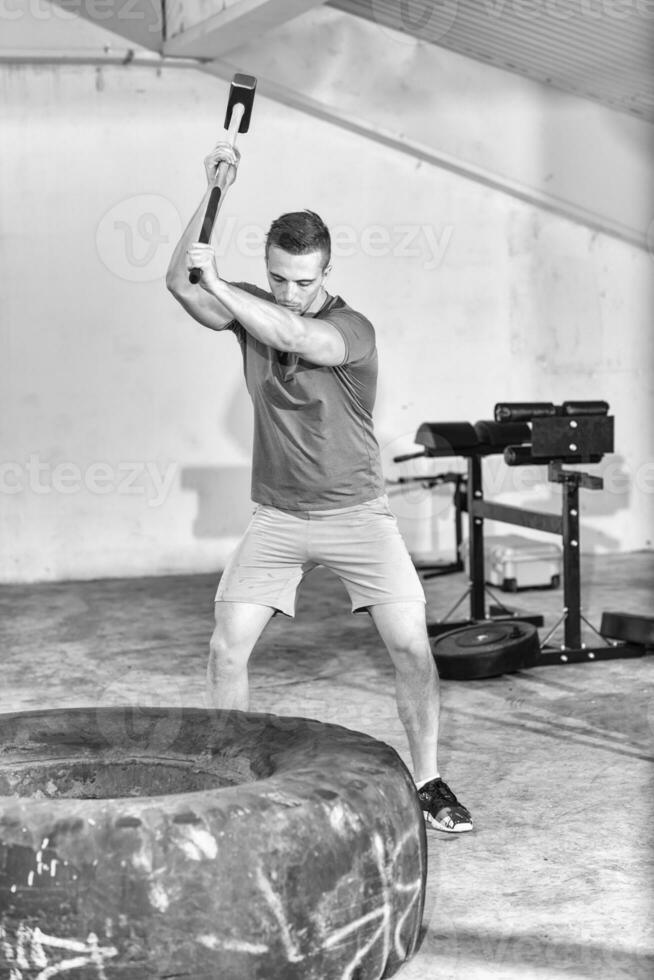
[
  {"x": 413, "y": 655},
  {"x": 238, "y": 623},
  {"x": 227, "y": 652},
  {"x": 218, "y": 644},
  {"x": 236, "y": 630}
]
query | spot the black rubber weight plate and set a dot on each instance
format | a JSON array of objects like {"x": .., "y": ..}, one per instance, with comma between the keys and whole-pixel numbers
[{"x": 486, "y": 650}]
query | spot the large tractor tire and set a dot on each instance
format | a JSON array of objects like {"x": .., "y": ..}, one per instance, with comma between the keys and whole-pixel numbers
[{"x": 208, "y": 845}]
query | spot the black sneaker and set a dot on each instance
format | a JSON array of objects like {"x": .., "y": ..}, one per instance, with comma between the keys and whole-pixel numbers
[{"x": 441, "y": 808}]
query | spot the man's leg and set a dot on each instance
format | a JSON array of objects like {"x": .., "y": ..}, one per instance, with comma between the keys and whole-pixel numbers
[
  {"x": 403, "y": 628},
  {"x": 238, "y": 626}
]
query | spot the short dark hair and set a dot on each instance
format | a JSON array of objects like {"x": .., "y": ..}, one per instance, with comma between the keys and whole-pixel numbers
[{"x": 300, "y": 232}]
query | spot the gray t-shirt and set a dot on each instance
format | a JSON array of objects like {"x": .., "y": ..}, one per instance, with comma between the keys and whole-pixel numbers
[{"x": 314, "y": 444}]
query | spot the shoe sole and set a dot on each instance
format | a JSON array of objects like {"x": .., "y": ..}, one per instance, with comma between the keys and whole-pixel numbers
[{"x": 459, "y": 828}]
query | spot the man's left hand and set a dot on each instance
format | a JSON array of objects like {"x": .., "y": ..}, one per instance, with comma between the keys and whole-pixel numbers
[{"x": 203, "y": 257}]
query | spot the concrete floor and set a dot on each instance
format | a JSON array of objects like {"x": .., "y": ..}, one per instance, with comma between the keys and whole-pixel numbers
[{"x": 555, "y": 762}]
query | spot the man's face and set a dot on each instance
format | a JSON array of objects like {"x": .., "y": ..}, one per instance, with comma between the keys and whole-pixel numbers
[{"x": 296, "y": 281}]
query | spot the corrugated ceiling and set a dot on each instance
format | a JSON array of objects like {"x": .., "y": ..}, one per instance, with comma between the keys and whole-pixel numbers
[{"x": 597, "y": 49}]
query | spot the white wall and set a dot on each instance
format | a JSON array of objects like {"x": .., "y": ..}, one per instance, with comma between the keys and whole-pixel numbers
[
  {"x": 125, "y": 429},
  {"x": 570, "y": 155}
]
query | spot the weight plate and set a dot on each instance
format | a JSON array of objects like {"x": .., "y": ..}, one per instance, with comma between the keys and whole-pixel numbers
[
  {"x": 486, "y": 650},
  {"x": 481, "y": 637}
]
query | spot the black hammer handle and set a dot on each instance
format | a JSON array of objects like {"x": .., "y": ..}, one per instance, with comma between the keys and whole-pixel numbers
[
  {"x": 207, "y": 226},
  {"x": 217, "y": 194}
]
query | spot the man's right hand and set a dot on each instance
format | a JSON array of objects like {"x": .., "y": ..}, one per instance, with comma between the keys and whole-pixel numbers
[{"x": 222, "y": 152}]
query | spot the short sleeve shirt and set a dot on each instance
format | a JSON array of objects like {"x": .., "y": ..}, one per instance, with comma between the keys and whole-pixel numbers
[{"x": 314, "y": 444}]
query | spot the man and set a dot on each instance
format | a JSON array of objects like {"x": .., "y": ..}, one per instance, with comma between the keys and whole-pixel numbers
[{"x": 310, "y": 366}]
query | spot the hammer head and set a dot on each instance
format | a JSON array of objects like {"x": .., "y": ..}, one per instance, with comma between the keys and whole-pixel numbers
[{"x": 241, "y": 91}]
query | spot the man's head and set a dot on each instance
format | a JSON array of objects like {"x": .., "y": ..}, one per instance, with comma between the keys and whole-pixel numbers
[{"x": 298, "y": 251}]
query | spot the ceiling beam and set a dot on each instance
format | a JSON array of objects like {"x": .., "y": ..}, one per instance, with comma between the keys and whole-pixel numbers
[
  {"x": 211, "y": 28},
  {"x": 538, "y": 197}
]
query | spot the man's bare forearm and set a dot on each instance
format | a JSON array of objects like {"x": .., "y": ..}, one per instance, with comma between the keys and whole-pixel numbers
[
  {"x": 192, "y": 297},
  {"x": 266, "y": 321},
  {"x": 177, "y": 274}
]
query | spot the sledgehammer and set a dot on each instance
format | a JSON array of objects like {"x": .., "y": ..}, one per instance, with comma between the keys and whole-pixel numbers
[{"x": 237, "y": 120}]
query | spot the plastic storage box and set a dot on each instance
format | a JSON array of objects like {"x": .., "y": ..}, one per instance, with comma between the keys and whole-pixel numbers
[{"x": 513, "y": 562}]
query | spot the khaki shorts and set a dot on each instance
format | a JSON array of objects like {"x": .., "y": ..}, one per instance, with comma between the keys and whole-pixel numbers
[{"x": 361, "y": 544}]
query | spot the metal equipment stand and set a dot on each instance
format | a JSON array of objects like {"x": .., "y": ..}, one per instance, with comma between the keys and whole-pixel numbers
[
  {"x": 573, "y": 650},
  {"x": 574, "y": 433}
]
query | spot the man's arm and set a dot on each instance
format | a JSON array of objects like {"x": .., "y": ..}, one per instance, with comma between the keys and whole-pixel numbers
[
  {"x": 317, "y": 341},
  {"x": 201, "y": 305}
]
